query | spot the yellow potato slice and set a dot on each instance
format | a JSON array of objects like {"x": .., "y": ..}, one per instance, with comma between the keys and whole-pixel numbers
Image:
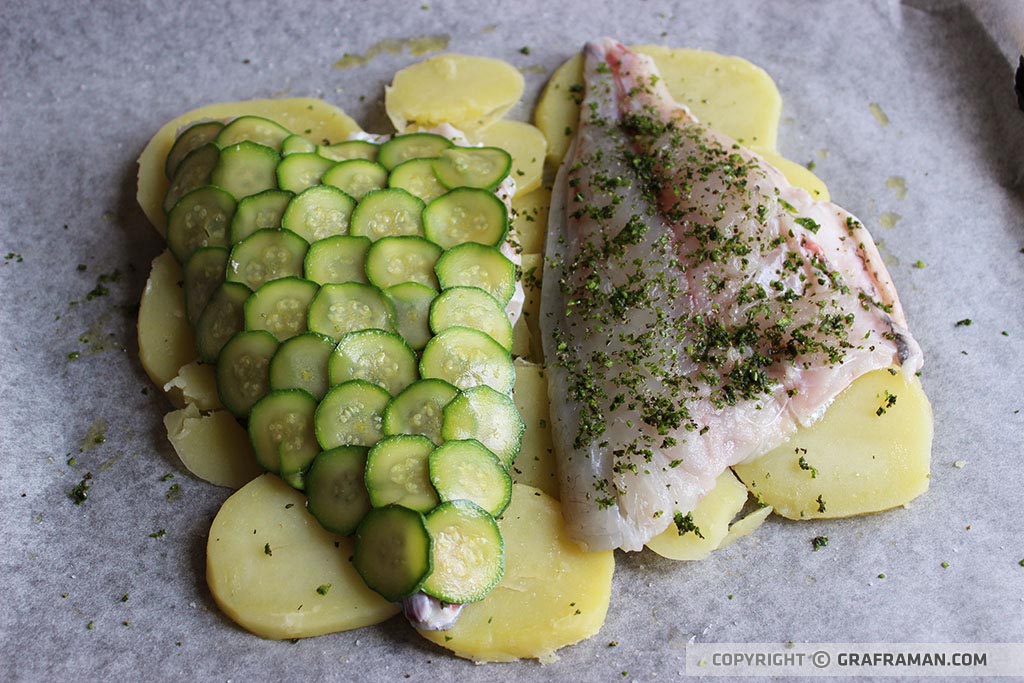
[
  {"x": 797, "y": 175},
  {"x": 553, "y": 593},
  {"x": 213, "y": 447},
  {"x": 165, "y": 338},
  {"x": 711, "y": 516},
  {"x": 267, "y": 556},
  {"x": 531, "y": 219},
  {"x": 466, "y": 91},
  {"x": 196, "y": 384},
  {"x": 535, "y": 465},
  {"x": 863, "y": 462},
  {"x": 313, "y": 118},
  {"x": 525, "y": 143},
  {"x": 745, "y": 526},
  {"x": 728, "y": 93}
]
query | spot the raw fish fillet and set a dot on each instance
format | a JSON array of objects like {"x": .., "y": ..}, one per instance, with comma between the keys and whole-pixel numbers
[{"x": 697, "y": 307}]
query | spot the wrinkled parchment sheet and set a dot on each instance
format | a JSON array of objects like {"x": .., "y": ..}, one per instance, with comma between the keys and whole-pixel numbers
[{"x": 84, "y": 85}]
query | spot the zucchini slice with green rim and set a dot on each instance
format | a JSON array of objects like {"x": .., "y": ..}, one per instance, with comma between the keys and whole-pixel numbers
[
  {"x": 338, "y": 309},
  {"x": 193, "y": 172},
  {"x": 189, "y": 140},
  {"x": 297, "y": 144},
  {"x": 350, "y": 149},
  {"x": 392, "y": 551},
  {"x": 335, "y": 491},
  {"x": 257, "y": 212},
  {"x": 407, "y": 258},
  {"x": 416, "y": 177},
  {"x": 301, "y": 363},
  {"x": 467, "y": 358},
  {"x": 243, "y": 370},
  {"x": 474, "y": 265},
  {"x": 203, "y": 274},
  {"x": 463, "y": 215},
  {"x": 351, "y": 415},
  {"x": 356, "y": 177},
  {"x": 471, "y": 307},
  {"x": 246, "y": 169},
  {"x": 222, "y": 318},
  {"x": 419, "y": 409},
  {"x": 483, "y": 167},
  {"x": 397, "y": 473},
  {"x": 280, "y": 307},
  {"x": 281, "y": 429},
  {"x": 402, "y": 148},
  {"x": 337, "y": 259},
  {"x": 468, "y": 553},
  {"x": 199, "y": 219},
  {"x": 466, "y": 470},
  {"x": 301, "y": 170},
  {"x": 388, "y": 212},
  {"x": 489, "y": 417},
  {"x": 266, "y": 255},
  {"x": 319, "y": 212},
  {"x": 254, "y": 129},
  {"x": 376, "y": 356},
  {"x": 412, "y": 311}
]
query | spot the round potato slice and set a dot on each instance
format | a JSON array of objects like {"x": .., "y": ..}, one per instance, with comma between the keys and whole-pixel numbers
[
  {"x": 553, "y": 594},
  {"x": 466, "y": 91},
  {"x": 165, "y": 339},
  {"x": 277, "y": 573},
  {"x": 213, "y": 447},
  {"x": 710, "y": 518}
]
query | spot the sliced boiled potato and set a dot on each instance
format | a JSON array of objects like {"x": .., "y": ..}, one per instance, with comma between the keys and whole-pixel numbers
[
  {"x": 276, "y": 572},
  {"x": 531, "y": 219},
  {"x": 309, "y": 117},
  {"x": 712, "y": 516},
  {"x": 553, "y": 593},
  {"x": 524, "y": 142},
  {"x": 196, "y": 383},
  {"x": 558, "y": 109},
  {"x": 796, "y": 174},
  {"x": 213, "y": 447},
  {"x": 165, "y": 337},
  {"x": 746, "y": 525},
  {"x": 466, "y": 91},
  {"x": 857, "y": 460},
  {"x": 535, "y": 465}
]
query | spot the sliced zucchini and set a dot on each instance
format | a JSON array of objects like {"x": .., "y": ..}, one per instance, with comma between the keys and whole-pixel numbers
[
  {"x": 338, "y": 309},
  {"x": 356, "y": 177},
  {"x": 466, "y": 470},
  {"x": 335, "y": 491},
  {"x": 471, "y": 307},
  {"x": 243, "y": 370},
  {"x": 350, "y": 149},
  {"x": 417, "y": 177},
  {"x": 253, "y": 129},
  {"x": 301, "y": 170},
  {"x": 296, "y": 144},
  {"x": 467, "y": 358},
  {"x": 419, "y": 409},
  {"x": 412, "y": 311},
  {"x": 489, "y": 417},
  {"x": 266, "y": 255},
  {"x": 259, "y": 211},
  {"x": 483, "y": 167},
  {"x": 351, "y": 415},
  {"x": 189, "y": 140},
  {"x": 394, "y": 260},
  {"x": 463, "y": 215},
  {"x": 199, "y": 219},
  {"x": 397, "y": 472},
  {"x": 392, "y": 551},
  {"x": 402, "y": 148},
  {"x": 222, "y": 318},
  {"x": 193, "y": 172},
  {"x": 245, "y": 169},
  {"x": 319, "y": 212},
  {"x": 301, "y": 363},
  {"x": 337, "y": 259},
  {"x": 203, "y": 274},
  {"x": 280, "y": 307},
  {"x": 474, "y": 265},
  {"x": 388, "y": 212},
  {"x": 376, "y": 356},
  {"x": 281, "y": 431},
  {"x": 468, "y": 553}
]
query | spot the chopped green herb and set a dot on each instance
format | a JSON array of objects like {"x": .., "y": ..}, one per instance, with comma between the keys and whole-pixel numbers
[
  {"x": 919, "y": 264},
  {"x": 124, "y": 598},
  {"x": 90, "y": 625},
  {"x": 810, "y": 165},
  {"x": 524, "y": 50},
  {"x": 804, "y": 465},
  {"x": 74, "y": 355},
  {"x": 945, "y": 565},
  {"x": 819, "y": 542},
  {"x": 167, "y": 477},
  {"x": 158, "y": 534},
  {"x": 966, "y": 322},
  {"x": 809, "y": 224},
  {"x": 821, "y": 504},
  {"x": 80, "y": 493},
  {"x": 881, "y": 576},
  {"x": 267, "y": 550},
  {"x": 174, "y": 492},
  {"x": 684, "y": 524},
  {"x": 323, "y": 588}
]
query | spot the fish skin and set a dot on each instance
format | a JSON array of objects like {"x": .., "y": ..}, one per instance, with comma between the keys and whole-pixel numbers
[{"x": 660, "y": 233}]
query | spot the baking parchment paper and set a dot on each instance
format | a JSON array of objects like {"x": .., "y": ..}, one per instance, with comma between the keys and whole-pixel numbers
[{"x": 84, "y": 85}]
